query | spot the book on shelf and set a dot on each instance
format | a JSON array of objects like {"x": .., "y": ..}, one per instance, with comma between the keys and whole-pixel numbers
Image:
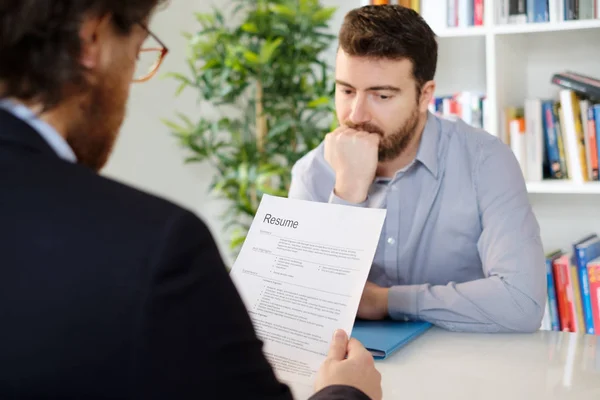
[
  {"x": 471, "y": 107},
  {"x": 464, "y": 13},
  {"x": 555, "y": 139},
  {"x": 414, "y": 4},
  {"x": 533, "y": 11},
  {"x": 573, "y": 286},
  {"x": 581, "y": 84}
]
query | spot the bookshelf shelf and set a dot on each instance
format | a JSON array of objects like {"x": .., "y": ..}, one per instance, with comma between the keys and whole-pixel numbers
[
  {"x": 546, "y": 27},
  {"x": 508, "y": 29},
  {"x": 566, "y": 187}
]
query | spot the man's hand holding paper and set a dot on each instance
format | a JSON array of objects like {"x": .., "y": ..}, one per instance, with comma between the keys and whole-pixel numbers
[
  {"x": 349, "y": 363},
  {"x": 301, "y": 274}
]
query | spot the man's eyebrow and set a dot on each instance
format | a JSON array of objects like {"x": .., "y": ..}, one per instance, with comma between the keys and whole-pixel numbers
[{"x": 372, "y": 88}]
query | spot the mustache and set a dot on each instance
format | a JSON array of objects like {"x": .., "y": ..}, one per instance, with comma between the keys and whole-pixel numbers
[{"x": 366, "y": 127}]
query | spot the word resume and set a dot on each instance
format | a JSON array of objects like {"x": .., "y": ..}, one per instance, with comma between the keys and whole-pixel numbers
[{"x": 301, "y": 272}]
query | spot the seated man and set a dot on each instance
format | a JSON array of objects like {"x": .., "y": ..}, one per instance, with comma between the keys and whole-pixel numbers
[{"x": 460, "y": 246}]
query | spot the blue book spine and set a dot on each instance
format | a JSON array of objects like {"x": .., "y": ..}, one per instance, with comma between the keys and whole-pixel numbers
[
  {"x": 530, "y": 11},
  {"x": 597, "y": 120},
  {"x": 553, "y": 305},
  {"x": 537, "y": 11},
  {"x": 471, "y": 13},
  {"x": 550, "y": 137},
  {"x": 439, "y": 104},
  {"x": 542, "y": 11},
  {"x": 586, "y": 252}
]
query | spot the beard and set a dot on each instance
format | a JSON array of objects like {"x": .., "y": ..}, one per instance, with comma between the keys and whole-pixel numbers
[
  {"x": 93, "y": 135},
  {"x": 391, "y": 145}
]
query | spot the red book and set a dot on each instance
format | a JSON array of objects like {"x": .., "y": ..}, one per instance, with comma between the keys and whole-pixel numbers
[
  {"x": 478, "y": 12},
  {"x": 562, "y": 281}
]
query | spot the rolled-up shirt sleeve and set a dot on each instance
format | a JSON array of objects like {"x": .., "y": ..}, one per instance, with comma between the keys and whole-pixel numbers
[{"x": 335, "y": 199}]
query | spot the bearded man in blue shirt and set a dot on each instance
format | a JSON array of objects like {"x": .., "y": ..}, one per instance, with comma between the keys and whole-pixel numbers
[{"x": 460, "y": 246}]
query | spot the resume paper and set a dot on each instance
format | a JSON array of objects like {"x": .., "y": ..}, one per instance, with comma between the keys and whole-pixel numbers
[{"x": 301, "y": 273}]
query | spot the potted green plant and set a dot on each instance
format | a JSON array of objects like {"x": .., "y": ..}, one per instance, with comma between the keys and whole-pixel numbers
[{"x": 268, "y": 74}]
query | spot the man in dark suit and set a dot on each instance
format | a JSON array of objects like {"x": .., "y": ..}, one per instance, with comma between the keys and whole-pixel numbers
[{"x": 105, "y": 291}]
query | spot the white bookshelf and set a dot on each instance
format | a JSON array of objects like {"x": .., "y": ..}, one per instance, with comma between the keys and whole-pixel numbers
[
  {"x": 563, "y": 187},
  {"x": 509, "y": 63}
]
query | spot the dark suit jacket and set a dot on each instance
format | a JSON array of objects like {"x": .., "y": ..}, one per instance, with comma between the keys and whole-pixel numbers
[{"x": 108, "y": 292}]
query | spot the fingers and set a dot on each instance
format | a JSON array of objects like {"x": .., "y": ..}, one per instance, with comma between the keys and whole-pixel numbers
[
  {"x": 357, "y": 350},
  {"x": 374, "y": 139},
  {"x": 349, "y": 134},
  {"x": 338, "y": 346}
]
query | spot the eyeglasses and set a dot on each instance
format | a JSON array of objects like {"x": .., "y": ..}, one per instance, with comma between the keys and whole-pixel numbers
[{"x": 150, "y": 57}]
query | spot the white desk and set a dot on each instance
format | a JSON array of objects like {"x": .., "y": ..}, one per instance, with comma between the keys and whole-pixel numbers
[{"x": 447, "y": 366}]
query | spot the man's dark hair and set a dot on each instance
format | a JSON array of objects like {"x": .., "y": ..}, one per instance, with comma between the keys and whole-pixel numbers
[
  {"x": 40, "y": 45},
  {"x": 391, "y": 32}
]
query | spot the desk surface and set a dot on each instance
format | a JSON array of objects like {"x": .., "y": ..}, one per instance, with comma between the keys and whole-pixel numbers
[{"x": 462, "y": 366}]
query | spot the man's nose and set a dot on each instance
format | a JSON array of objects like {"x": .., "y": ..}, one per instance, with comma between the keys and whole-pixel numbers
[{"x": 360, "y": 112}]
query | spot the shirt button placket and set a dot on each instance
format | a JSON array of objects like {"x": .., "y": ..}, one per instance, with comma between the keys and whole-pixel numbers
[{"x": 391, "y": 248}]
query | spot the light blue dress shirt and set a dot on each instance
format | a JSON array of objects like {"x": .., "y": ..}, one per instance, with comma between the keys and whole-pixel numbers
[
  {"x": 47, "y": 132},
  {"x": 460, "y": 246}
]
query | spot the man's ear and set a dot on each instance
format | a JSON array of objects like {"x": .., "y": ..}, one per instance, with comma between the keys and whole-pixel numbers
[
  {"x": 427, "y": 92},
  {"x": 93, "y": 33}
]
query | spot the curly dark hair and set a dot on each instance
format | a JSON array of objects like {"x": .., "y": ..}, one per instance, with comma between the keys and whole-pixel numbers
[
  {"x": 391, "y": 32},
  {"x": 40, "y": 44}
]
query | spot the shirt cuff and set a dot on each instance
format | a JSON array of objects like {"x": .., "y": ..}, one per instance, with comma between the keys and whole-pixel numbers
[
  {"x": 403, "y": 302},
  {"x": 334, "y": 199},
  {"x": 340, "y": 392}
]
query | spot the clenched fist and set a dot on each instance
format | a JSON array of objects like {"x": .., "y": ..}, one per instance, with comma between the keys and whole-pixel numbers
[{"x": 353, "y": 155}]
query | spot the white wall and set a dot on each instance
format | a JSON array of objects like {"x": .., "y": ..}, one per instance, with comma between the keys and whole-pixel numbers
[{"x": 146, "y": 155}]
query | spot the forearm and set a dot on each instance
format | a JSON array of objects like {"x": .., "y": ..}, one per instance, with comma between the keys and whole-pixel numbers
[{"x": 502, "y": 302}]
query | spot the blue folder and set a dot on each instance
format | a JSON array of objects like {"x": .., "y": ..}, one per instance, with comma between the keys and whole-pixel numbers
[{"x": 382, "y": 338}]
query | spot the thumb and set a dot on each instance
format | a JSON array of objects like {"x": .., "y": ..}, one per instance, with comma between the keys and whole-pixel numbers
[{"x": 338, "y": 346}]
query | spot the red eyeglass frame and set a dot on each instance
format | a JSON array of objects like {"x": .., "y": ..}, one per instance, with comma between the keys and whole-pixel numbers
[{"x": 164, "y": 50}]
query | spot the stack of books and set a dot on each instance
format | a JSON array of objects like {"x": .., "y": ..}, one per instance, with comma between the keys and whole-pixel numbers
[
  {"x": 532, "y": 11},
  {"x": 573, "y": 279},
  {"x": 414, "y": 4},
  {"x": 557, "y": 138},
  {"x": 464, "y": 13},
  {"x": 469, "y": 106}
]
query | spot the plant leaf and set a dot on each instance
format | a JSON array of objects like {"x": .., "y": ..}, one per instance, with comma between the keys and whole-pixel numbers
[
  {"x": 318, "y": 102},
  {"x": 250, "y": 27},
  {"x": 251, "y": 57},
  {"x": 268, "y": 49},
  {"x": 281, "y": 9},
  {"x": 323, "y": 15}
]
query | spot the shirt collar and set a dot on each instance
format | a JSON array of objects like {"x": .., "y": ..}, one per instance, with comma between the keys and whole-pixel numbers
[
  {"x": 427, "y": 153},
  {"x": 46, "y": 131}
]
